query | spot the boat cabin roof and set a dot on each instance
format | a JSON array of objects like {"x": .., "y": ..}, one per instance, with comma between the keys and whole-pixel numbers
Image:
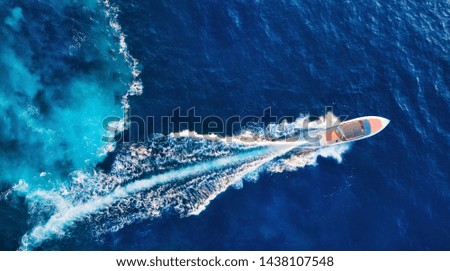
[
  {"x": 355, "y": 129},
  {"x": 348, "y": 131}
]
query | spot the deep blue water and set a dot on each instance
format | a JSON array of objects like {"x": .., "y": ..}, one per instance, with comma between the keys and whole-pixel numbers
[{"x": 225, "y": 58}]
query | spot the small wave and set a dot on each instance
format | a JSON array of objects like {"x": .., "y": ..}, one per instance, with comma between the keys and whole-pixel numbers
[{"x": 136, "y": 86}]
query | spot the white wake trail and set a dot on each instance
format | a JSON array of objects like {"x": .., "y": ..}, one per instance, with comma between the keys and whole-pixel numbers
[{"x": 67, "y": 216}]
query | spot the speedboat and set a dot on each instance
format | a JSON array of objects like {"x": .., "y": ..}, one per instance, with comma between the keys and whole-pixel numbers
[{"x": 352, "y": 130}]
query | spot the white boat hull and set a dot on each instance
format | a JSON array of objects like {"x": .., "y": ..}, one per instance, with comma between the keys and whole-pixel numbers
[{"x": 353, "y": 130}]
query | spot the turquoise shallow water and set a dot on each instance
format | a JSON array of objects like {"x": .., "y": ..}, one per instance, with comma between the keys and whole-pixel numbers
[{"x": 61, "y": 74}]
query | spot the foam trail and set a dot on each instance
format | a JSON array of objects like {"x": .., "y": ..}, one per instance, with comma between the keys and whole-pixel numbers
[
  {"x": 68, "y": 216},
  {"x": 135, "y": 87},
  {"x": 252, "y": 168}
]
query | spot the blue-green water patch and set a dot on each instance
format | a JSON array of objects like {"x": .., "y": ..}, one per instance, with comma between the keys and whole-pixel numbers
[{"x": 61, "y": 73}]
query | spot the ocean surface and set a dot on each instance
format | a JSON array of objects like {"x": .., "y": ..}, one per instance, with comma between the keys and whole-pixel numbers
[{"x": 70, "y": 182}]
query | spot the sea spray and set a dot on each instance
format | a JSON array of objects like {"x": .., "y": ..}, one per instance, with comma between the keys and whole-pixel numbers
[{"x": 177, "y": 182}]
